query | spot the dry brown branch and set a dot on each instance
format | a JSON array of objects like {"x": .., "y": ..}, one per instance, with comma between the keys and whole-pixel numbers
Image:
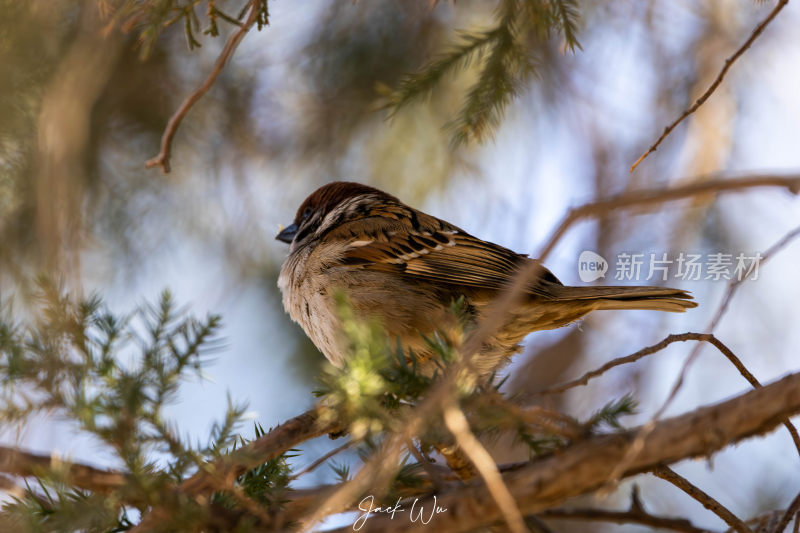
[
  {"x": 717, "y": 81},
  {"x": 706, "y": 500},
  {"x": 162, "y": 159},
  {"x": 734, "y": 283},
  {"x": 632, "y": 516},
  {"x": 791, "y": 511},
  {"x": 457, "y": 423},
  {"x": 701, "y": 337},
  {"x": 587, "y": 465},
  {"x": 313, "y": 466},
  {"x": 25, "y": 464},
  {"x": 659, "y": 196},
  {"x": 632, "y": 358}
]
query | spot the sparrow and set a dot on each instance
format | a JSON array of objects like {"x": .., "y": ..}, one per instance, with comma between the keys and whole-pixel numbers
[{"x": 404, "y": 269}]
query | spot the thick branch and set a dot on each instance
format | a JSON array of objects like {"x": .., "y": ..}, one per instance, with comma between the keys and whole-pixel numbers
[
  {"x": 588, "y": 465},
  {"x": 26, "y": 464}
]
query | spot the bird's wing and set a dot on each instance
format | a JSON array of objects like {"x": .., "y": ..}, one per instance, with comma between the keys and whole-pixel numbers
[{"x": 424, "y": 247}]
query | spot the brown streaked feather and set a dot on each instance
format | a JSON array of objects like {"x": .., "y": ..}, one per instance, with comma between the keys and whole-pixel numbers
[
  {"x": 424, "y": 247},
  {"x": 628, "y": 297}
]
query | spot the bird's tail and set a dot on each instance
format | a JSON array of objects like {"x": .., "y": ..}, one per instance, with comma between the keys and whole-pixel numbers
[{"x": 622, "y": 297}]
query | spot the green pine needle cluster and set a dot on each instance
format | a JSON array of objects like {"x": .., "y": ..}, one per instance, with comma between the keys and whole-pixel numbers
[
  {"x": 505, "y": 61},
  {"x": 610, "y": 413},
  {"x": 113, "y": 376}
]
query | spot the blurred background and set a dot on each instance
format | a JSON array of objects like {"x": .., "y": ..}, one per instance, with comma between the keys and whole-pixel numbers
[{"x": 299, "y": 105}]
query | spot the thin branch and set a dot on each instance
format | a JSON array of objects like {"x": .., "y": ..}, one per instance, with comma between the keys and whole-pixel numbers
[
  {"x": 706, "y": 500},
  {"x": 716, "y": 83},
  {"x": 585, "y": 466},
  {"x": 644, "y": 352},
  {"x": 632, "y": 358},
  {"x": 734, "y": 283},
  {"x": 25, "y": 464},
  {"x": 375, "y": 475},
  {"x": 663, "y": 195},
  {"x": 163, "y": 157},
  {"x": 457, "y": 423},
  {"x": 791, "y": 511},
  {"x": 632, "y": 516},
  {"x": 322, "y": 459}
]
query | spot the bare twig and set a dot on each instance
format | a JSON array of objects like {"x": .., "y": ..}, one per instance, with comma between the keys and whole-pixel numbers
[
  {"x": 717, "y": 81},
  {"x": 713, "y": 324},
  {"x": 322, "y": 459},
  {"x": 25, "y": 464},
  {"x": 163, "y": 157},
  {"x": 701, "y": 337},
  {"x": 791, "y": 511},
  {"x": 586, "y": 465},
  {"x": 375, "y": 474},
  {"x": 456, "y": 422},
  {"x": 632, "y": 358},
  {"x": 707, "y": 501},
  {"x": 632, "y": 516},
  {"x": 733, "y": 283},
  {"x": 653, "y": 197}
]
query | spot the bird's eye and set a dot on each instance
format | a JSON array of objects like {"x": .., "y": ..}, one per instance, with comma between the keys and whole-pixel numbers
[{"x": 306, "y": 213}]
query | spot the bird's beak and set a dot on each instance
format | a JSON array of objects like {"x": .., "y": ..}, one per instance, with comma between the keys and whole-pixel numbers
[{"x": 287, "y": 234}]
